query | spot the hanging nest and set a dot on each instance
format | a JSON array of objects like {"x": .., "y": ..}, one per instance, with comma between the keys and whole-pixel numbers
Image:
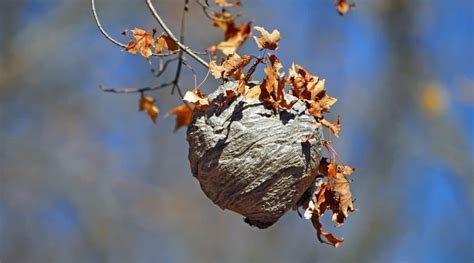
[{"x": 251, "y": 160}]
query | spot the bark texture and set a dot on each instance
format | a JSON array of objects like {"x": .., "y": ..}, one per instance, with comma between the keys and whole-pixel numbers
[{"x": 251, "y": 160}]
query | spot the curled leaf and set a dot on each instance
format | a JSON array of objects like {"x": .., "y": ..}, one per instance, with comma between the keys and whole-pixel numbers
[
  {"x": 267, "y": 40},
  {"x": 335, "y": 127},
  {"x": 343, "y": 6},
  {"x": 335, "y": 194},
  {"x": 340, "y": 185},
  {"x": 147, "y": 103},
  {"x": 272, "y": 88},
  {"x": 235, "y": 38},
  {"x": 231, "y": 66},
  {"x": 197, "y": 98},
  {"x": 234, "y": 35},
  {"x": 183, "y": 115},
  {"x": 329, "y": 238},
  {"x": 305, "y": 85},
  {"x": 165, "y": 42},
  {"x": 143, "y": 43}
]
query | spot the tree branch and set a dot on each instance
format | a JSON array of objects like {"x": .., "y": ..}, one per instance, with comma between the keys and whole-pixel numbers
[
  {"x": 132, "y": 90},
  {"x": 172, "y": 36},
  {"x": 111, "y": 39},
  {"x": 94, "y": 12}
]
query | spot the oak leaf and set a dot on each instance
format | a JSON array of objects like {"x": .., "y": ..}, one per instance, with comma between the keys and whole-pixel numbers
[
  {"x": 340, "y": 185},
  {"x": 335, "y": 193},
  {"x": 335, "y": 127},
  {"x": 231, "y": 66},
  {"x": 343, "y": 6},
  {"x": 272, "y": 88},
  {"x": 324, "y": 199},
  {"x": 197, "y": 98},
  {"x": 234, "y": 35},
  {"x": 165, "y": 42},
  {"x": 183, "y": 115},
  {"x": 235, "y": 38},
  {"x": 267, "y": 40},
  {"x": 305, "y": 85},
  {"x": 147, "y": 103},
  {"x": 143, "y": 43}
]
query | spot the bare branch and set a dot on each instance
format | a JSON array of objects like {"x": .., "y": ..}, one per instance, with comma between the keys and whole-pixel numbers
[
  {"x": 172, "y": 36},
  {"x": 94, "y": 12},
  {"x": 131, "y": 90},
  {"x": 163, "y": 67},
  {"x": 111, "y": 39}
]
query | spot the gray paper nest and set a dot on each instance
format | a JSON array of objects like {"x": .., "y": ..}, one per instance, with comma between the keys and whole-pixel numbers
[{"x": 251, "y": 160}]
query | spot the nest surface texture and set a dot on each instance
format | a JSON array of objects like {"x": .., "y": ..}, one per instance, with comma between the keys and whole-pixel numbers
[{"x": 251, "y": 160}]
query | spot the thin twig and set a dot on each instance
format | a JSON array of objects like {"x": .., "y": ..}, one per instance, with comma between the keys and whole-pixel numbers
[
  {"x": 203, "y": 80},
  {"x": 111, "y": 39},
  {"x": 192, "y": 71},
  {"x": 253, "y": 68},
  {"x": 163, "y": 67},
  {"x": 132, "y": 90},
  {"x": 171, "y": 35},
  {"x": 94, "y": 12},
  {"x": 207, "y": 73},
  {"x": 205, "y": 9},
  {"x": 181, "y": 39}
]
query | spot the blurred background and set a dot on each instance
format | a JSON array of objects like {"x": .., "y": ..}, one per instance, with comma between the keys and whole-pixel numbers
[{"x": 85, "y": 177}]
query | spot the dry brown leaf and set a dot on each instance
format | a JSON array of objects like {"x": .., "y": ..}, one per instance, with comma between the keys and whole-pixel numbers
[
  {"x": 335, "y": 193},
  {"x": 235, "y": 38},
  {"x": 335, "y": 127},
  {"x": 241, "y": 89},
  {"x": 197, "y": 98},
  {"x": 231, "y": 66},
  {"x": 234, "y": 35},
  {"x": 272, "y": 88},
  {"x": 165, "y": 42},
  {"x": 330, "y": 238},
  {"x": 320, "y": 104},
  {"x": 224, "y": 3},
  {"x": 324, "y": 200},
  {"x": 183, "y": 115},
  {"x": 253, "y": 93},
  {"x": 305, "y": 85},
  {"x": 267, "y": 40},
  {"x": 344, "y": 197},
  {"x": 148, "y": 103},
  {"x": 343, "y": 6},
  {"x": 223, "y": 20},
  {"x": 332, "y": 170},
  {"x": 143, "y": 43},
  {"x": 345, "y": 169}
]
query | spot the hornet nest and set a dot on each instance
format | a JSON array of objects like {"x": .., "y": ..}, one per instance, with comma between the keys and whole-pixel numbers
[{"x": 251, "y": 160}]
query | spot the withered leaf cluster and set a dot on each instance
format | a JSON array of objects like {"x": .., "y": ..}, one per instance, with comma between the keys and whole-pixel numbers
[
  {"x": 334, "y": 194},
  {"x": 143, "y": 43},
  {"x": 278, "y": 90}
]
